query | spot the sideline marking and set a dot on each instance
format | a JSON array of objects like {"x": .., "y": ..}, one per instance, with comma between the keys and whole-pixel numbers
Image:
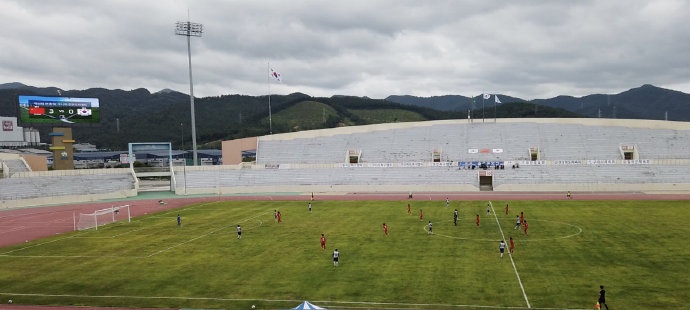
[
  {"x": 282, "y": 300},
  {"x": 524, "y": 294}
]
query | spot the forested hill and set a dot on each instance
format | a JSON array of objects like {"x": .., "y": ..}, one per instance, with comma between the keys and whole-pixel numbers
[{"x": 645, "y": 102}]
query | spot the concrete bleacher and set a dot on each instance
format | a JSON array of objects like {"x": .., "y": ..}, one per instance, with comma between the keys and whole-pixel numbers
[
  {"x": 574, "y": 154},
  {"x": 47, "y": 187},
  {"x": 638, "y": 174},
  {"x": 15, "y": 165},
  {"x": 557, "y": 139},
  {"x": 238, "y": 180}
]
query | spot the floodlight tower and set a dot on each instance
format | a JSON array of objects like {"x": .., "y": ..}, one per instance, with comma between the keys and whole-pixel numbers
[{"x": 189, "y": 30}]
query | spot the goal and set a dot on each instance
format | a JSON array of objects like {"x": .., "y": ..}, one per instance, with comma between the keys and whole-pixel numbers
[{"x": 103, "y": 217}]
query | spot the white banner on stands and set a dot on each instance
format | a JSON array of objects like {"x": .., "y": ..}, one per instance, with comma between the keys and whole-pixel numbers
[
  {"x": 412, "y": 164},
  {"x": 567, "y": 162},
  {"x": 637, "y": 162},
  {"x": 601, "y": 162}
]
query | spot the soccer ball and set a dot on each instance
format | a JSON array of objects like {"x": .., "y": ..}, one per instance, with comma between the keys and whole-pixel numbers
[
  {"x": 9, "y": 301},
  {"x": 253, "y": 307}
]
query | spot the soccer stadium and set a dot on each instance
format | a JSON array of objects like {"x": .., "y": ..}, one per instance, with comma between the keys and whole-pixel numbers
[{"x": 606, "y": 202}]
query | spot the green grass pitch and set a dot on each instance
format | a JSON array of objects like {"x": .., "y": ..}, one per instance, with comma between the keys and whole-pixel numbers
[{"x": 637, "y": 249}]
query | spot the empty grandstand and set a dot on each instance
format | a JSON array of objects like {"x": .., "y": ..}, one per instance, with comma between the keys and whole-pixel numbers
[
  {"x": 65, "y": 186},
  {"x": 434, "y": 156},
  {"x": 458, "y": 155}
]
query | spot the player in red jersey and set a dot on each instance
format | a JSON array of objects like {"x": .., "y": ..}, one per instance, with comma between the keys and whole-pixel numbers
[
  {"x": 522, "y": 217},
  {"x": 385, "y": 229},
  {"x": 477, "y": 220},
  {"x": 280, "y": 217},
  {"x": 512, "y": 245},
  {"x": 323, "y": 242},
  {"x": 506, "y": 209},
  {"x": 524, "y": 226},
  {"x": 409, "y": 209},
  {"x": 421, "y": 215}
]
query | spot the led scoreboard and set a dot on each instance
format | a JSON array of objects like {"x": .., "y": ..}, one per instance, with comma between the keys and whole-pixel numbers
[{"x": 58, "y": 110}]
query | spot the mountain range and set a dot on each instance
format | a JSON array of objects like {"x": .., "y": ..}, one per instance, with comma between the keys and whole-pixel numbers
[
  {"x": 141, "y": 116},
  {"x": 644, "y": 102}
]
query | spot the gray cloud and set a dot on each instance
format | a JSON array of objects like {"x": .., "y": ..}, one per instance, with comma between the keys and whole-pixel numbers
[{"x": 528, "y": 49}]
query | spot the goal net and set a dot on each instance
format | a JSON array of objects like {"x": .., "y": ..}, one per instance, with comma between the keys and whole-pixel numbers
[{"x": 103, "y": 217}]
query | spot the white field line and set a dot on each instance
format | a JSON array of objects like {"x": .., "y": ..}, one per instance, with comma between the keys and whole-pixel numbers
[
  {"x": 579, "y": 231},
  {"x": 517, "y": 274},
  {"x": 326, "y": 303},
  {"x": 81, "y": 236},
  {"x": 33, "y": 246},
  {"x": 207, "y": 234}
]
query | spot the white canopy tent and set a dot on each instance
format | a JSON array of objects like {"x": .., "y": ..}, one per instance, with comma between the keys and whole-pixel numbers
[{"x": 307, "y": 306}]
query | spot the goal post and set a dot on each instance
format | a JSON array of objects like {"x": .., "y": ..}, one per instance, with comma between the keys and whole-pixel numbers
[{"x": 103, "y": 217}]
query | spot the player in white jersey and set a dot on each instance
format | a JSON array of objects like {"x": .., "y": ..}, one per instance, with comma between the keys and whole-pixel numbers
[
  {"x": 431, "y": 228},
  {"x": 336, "y": 255},
  {"x": 239, "y": 232},
  {"x": 502, "y": 248},
  {"x": 517, "y": 222},
  {"x": 447, "y": 202}
]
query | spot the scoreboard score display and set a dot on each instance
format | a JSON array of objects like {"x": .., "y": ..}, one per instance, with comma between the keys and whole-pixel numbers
[{"x": 58, "y": 110}]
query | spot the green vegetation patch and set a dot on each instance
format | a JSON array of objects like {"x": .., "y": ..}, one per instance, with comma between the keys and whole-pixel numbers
[{"x": 377, "y": 116}]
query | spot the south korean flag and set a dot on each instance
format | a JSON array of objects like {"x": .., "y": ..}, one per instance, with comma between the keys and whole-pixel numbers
[{"x": 84, "y": 112}]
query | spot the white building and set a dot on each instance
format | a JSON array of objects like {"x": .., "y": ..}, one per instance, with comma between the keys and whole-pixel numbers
[{"x": 14, "y": 136}]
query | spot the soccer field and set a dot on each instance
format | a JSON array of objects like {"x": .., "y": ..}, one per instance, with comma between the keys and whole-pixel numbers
[{"x": 635, "y": 248}]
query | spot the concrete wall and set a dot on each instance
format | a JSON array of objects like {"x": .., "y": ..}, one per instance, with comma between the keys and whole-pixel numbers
[
  {"x": 232, "y": 149},
  {"x": 36, "y": 162}
]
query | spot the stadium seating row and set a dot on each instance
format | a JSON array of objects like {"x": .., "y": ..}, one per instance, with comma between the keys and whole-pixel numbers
[{"x": 511, "y": 141}]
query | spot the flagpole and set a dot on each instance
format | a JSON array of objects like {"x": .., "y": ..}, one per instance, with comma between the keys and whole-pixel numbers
[
  {"x": 495, "y": 108},
  {"x": 268, "y": 81},
  {"x": 483, "y": 99}
]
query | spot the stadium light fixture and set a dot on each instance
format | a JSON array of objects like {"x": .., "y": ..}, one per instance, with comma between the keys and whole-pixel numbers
[{"x": 189, "y": 30}]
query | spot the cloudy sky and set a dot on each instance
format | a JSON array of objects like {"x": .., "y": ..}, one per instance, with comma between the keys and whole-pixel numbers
[{"x": 527, "y": 49}]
